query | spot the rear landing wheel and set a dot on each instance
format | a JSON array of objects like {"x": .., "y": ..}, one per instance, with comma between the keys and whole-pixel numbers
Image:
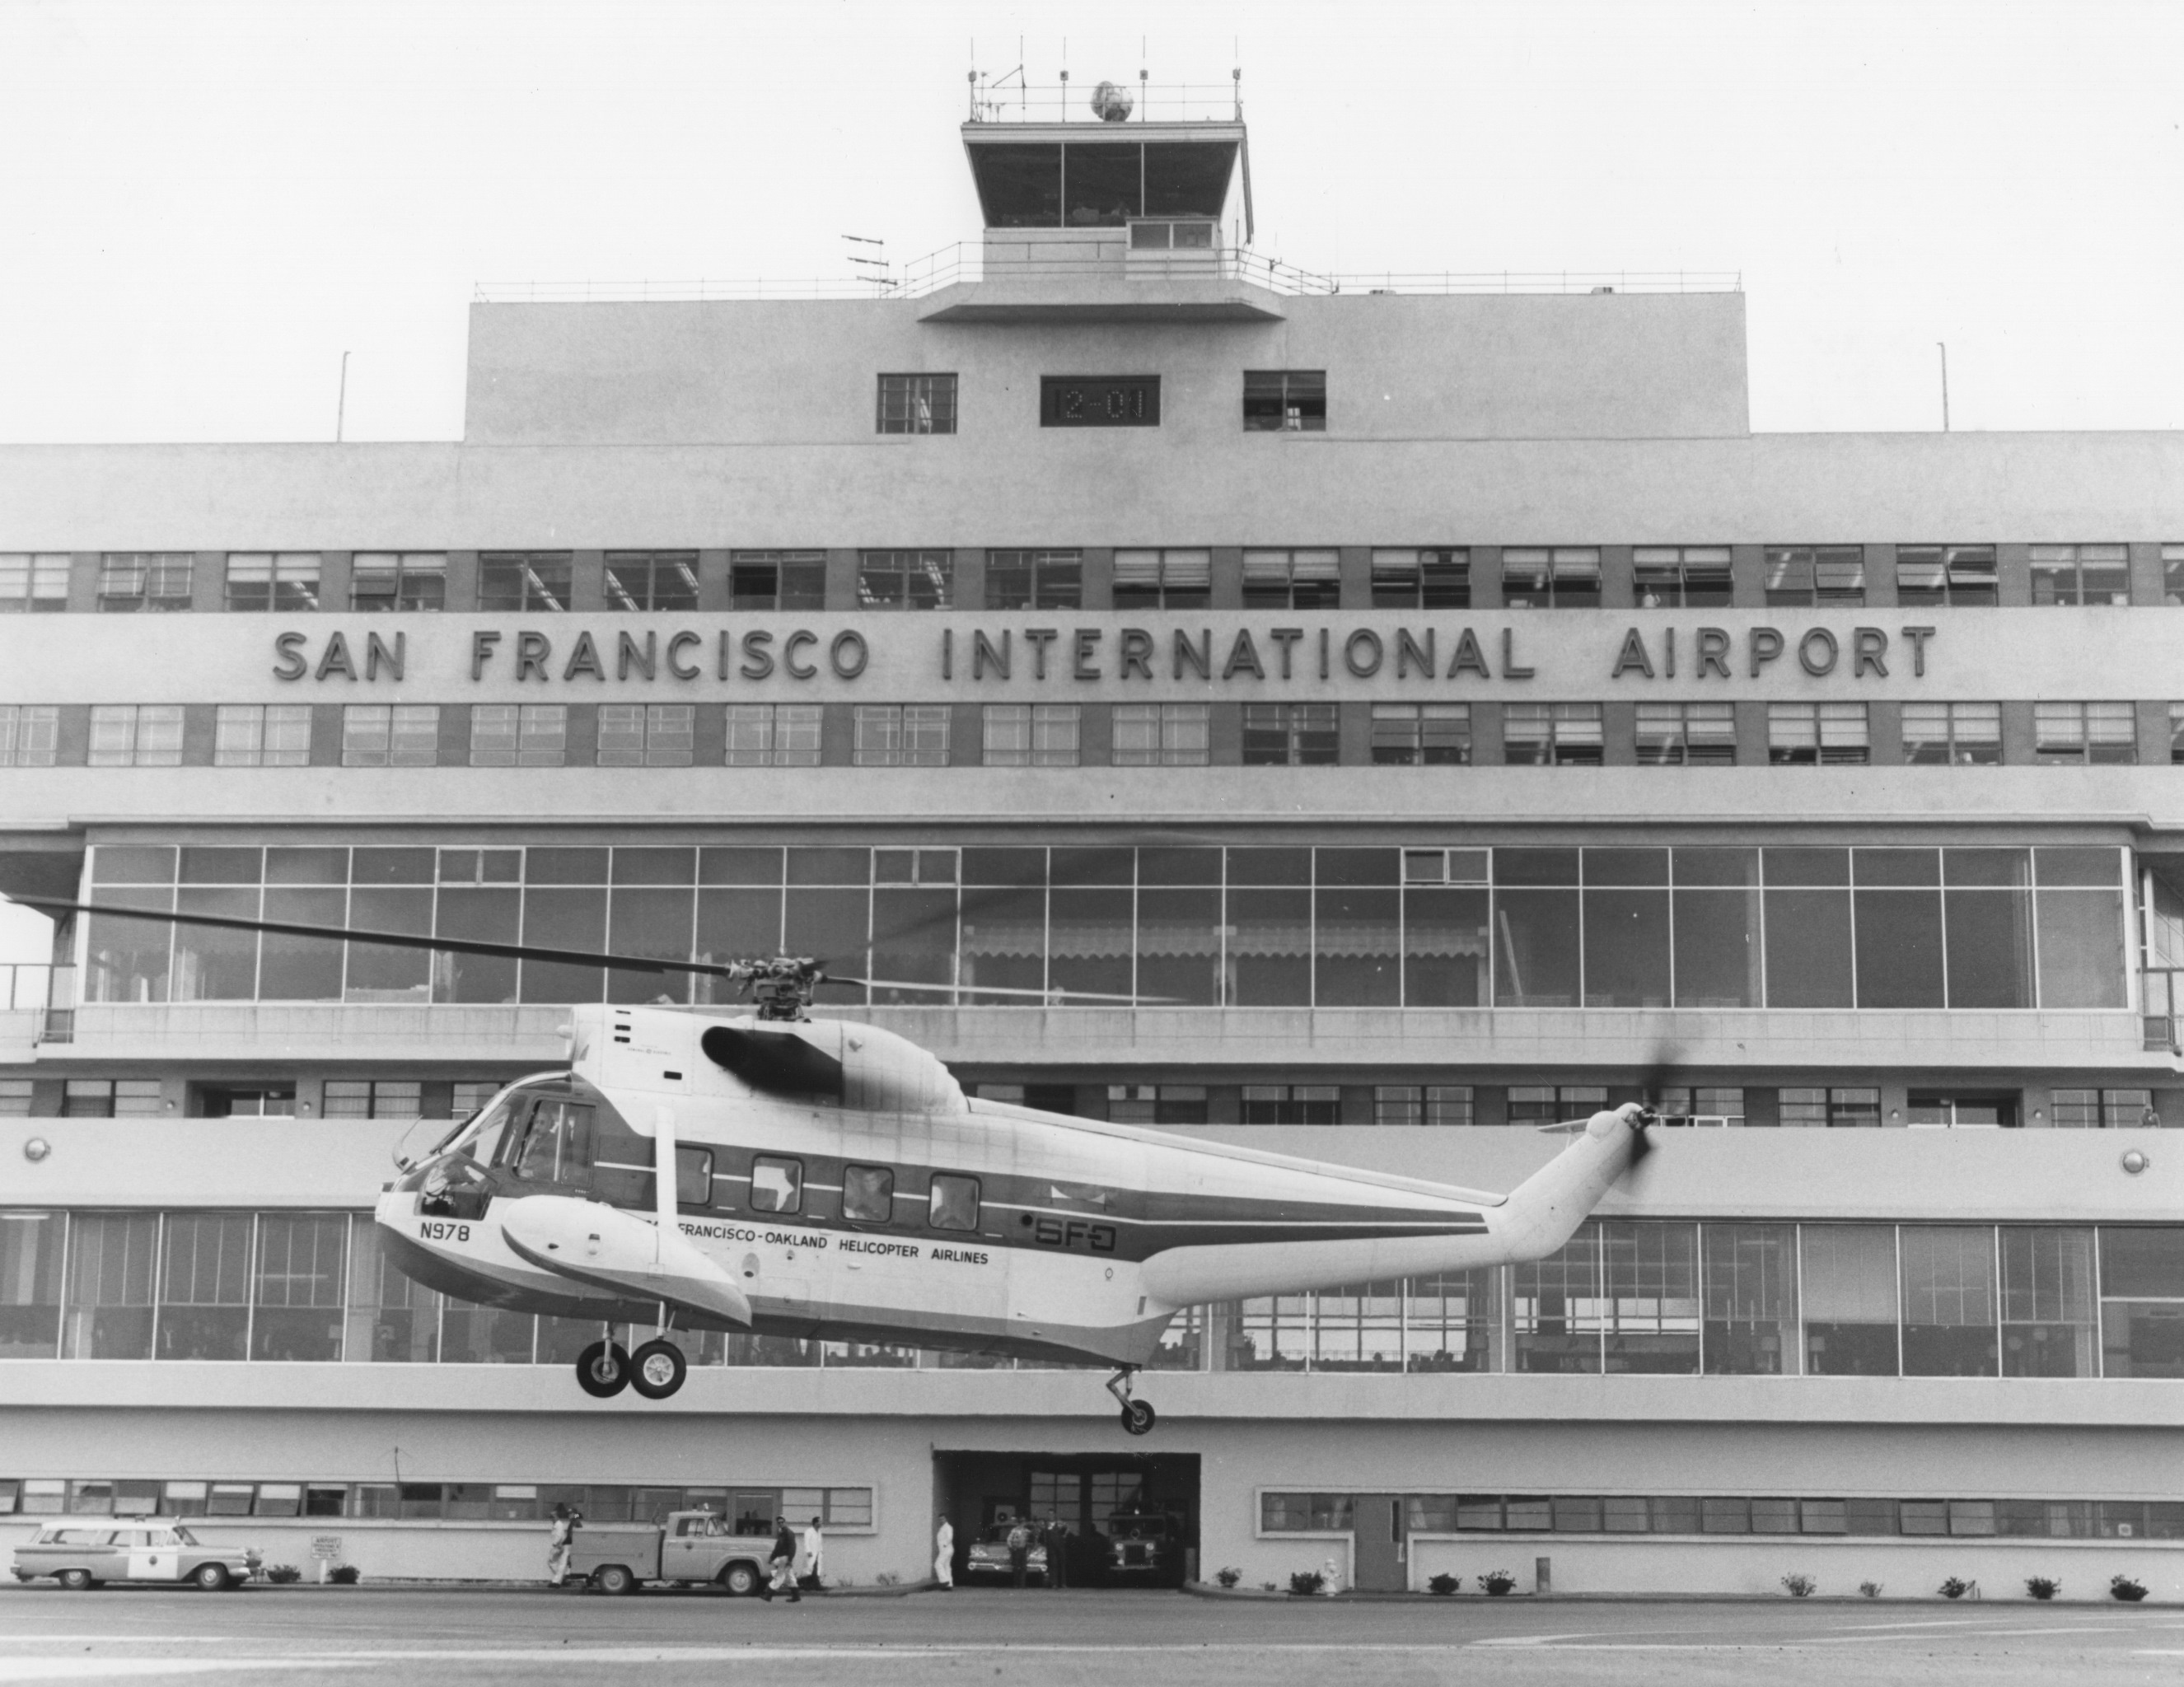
[
  {"x": 603, "y": 1369},
  {"x": 657, "y": 1369},
  {"x": 1139, "y": 1417}
]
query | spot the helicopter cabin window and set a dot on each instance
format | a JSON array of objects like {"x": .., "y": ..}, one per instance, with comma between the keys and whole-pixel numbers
[
  {"x": 548, "y": 1146},
  {"x": 693, "y": 1177},
  {"x": 955, "y": 1205},
  {"x": 776, "y": 1185},
  {"x": 867, "y": 1194}
]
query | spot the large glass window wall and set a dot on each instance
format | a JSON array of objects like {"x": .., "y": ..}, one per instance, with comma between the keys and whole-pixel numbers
[
  {"x": 1258, "y": 926},
  {"x": 1626, "y": 1296}
]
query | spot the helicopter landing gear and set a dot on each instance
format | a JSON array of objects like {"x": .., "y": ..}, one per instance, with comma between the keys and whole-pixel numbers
[
  {"x": 603, "y": 1369},
  {"x": 657, "y": 1369},
  {"x": 1138, "y": 1415}
]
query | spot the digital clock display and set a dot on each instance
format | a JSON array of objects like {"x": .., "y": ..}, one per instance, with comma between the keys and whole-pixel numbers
[{"x": 1099, "y": 401}]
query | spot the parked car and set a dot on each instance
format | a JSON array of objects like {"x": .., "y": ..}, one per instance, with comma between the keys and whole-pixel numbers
[
  {"x": 1144, "y": 1546},
  {"x": 693, "y": 1546},
  {"x": 84, "y": 1552},
  {"x": 990, "y": 1555}
]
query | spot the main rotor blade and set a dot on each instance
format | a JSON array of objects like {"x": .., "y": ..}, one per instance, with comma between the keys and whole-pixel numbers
[
  {"x": 828, "y": 977},
  {"x": 505, "y": 951}
]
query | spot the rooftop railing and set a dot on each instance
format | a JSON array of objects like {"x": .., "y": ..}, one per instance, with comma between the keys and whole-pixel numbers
[
  {"x": 966, "y": 261},
  {"x": 1009, "y": 98}
]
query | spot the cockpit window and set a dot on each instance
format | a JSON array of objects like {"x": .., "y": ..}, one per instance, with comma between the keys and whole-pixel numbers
[{"x": 551, "y": 1144}]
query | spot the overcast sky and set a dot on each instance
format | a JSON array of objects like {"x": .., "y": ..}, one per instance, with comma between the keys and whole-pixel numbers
[{"x": 206, "y": 203}]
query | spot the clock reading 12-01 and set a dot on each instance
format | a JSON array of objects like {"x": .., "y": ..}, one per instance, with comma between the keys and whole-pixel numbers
[{"x": 1099, "y": 401}]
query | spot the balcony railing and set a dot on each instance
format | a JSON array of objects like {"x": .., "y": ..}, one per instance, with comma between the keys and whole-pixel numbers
[
  {"x": 1009, "y": 98},
  {"x": 966, "y": 261}
]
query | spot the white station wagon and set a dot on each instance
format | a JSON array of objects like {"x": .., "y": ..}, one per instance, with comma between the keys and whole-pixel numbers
[{"x": 82, "y": 1553}]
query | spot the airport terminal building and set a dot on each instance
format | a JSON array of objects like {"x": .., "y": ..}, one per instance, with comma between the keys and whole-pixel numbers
[{"x": 1427, "y": 708}]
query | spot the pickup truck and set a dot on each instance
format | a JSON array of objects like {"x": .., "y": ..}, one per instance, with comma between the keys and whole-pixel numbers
[{"x": 691, "y": 1547}]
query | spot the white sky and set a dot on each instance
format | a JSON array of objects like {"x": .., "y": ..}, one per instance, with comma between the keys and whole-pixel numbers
[{"x": 208, "y": 201}]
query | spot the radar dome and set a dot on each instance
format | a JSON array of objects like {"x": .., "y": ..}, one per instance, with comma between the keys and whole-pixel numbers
[{"x": 1112, "y": 102}]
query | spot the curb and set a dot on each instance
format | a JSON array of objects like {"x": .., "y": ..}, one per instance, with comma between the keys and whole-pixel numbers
[{"x": 1206, "y": 1590}]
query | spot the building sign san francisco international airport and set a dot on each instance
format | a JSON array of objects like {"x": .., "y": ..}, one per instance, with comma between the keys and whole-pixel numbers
[{"x": 1243, "y": 652}]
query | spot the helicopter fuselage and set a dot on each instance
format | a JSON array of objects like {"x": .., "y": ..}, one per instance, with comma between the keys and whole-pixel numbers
[{"x": 833, "y": 1181}]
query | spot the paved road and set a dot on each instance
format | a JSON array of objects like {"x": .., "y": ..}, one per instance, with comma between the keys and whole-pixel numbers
[{"x": 1066, "y": 1639}]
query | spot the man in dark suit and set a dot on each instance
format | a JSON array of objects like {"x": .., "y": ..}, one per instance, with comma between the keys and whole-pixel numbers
[
  {"x": 1055, "y": 1537},
  {"x": 782, "y": 1563}
]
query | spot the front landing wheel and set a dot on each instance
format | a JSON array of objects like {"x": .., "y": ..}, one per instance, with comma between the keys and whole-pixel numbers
[
  {"x": 1139, "y": 1417},
  {"x": 603, "y": 1369},
  {"x": 657, "y": 1369}
]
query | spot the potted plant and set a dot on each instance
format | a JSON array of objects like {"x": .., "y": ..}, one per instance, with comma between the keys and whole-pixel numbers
[
  {"x": 2124, "y": 1588},
  {"x": 2042, "y": 1587},
  {"x": 1498, "y": 1583}
]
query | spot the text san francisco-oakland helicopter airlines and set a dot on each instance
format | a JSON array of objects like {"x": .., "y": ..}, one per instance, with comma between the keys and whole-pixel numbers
[{"x": 830, "y": 1179}]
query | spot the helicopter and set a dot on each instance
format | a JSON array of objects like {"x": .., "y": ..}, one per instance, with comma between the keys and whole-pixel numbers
[{"x": 760, "y": 1170}]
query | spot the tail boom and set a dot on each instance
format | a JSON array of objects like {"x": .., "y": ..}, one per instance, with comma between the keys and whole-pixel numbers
[{"x": 1540, "y": 1215}]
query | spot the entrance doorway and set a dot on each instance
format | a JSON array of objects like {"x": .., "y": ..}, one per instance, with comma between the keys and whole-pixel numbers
[
  {"x": 1380, "y": 1546},
  {"x": 1087, "y": 1492}
]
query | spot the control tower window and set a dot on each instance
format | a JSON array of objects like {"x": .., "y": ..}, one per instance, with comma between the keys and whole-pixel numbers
[
  {"x": 1101, "y": 184},
  {"x": 917, "y": 403},
  {"x": 1284, "y": 401},
  {"x": 905, "y": 580},
  {"x": 652, "y": 580}
]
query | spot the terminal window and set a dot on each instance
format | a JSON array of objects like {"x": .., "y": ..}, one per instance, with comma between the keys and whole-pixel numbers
[
  {"x": 1292, "y": 580},
  {"x": 647, "y": 734},
  {"x": 774, "y": 734},
  {"x": 2172, "y": 574},
  {"x": 902, "y": 734},
  {"x": 1032, "y": 735},
  {"x": 1422, "y": 1103},
  {"x": 145, "y": 580},
  {"x": 905, "y": 580},
  {"x": 1565, "y": 577},
  {"x": 519, "y": 735},
  {"x": 135, "y": 735},
  {"x": 30, "y": 734},
  {"x": 2176, "y": 734},
  {"x": 1818, "y": 735},
  {"x": 2078, "y": 734},
  {"x": 1284, "y": 401},
  {"x": 1034, "y": 580},
  {"x": 1958, "y": 575},
  {"x": 391, "y": 735},
  {"x": 33, "y": 582},
  {"x": 1292, "y": 1103},
  {"x": 1830, "y": 1109},
  {"x": 656, "y": 581},
  {"x": 1687, "y": 576},
  {"x": 1162, "y": 734},
  {"x": 2113, "y": 1110},
  {"x": 1429, "y": 579},
  {"x": 1803, "y": 574},
  {"x": 777, "y": 580},
  {"x": 917, "y": 403},
  {"x": 1958, "y": 734},
  {"x": 1422, "y": 734},
  {"x": 398, "y": 581},
  {"x": 2081, "y": 574},
  {"x": 1291, "y": 735},
  {"x": 111, "y": 1098},
  {"x": 524, "y": 580},
  {"x": 1686, "y": 735},
  {"x": 1163, "y": 579},
  {"x": 262, "y": 735},
  {"x": 1156, "y": 1104},
  {"x": 1551, "y": 735},
  {"x": 279, "y": 580}
]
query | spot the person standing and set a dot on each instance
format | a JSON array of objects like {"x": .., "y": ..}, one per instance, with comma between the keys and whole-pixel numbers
[
  {"x": 1019, "y": 1550},
  {"x": 559, "y": 1541},
  {"x": 1055, "y": 1540},
  {"x": 815, "y": 1544},
  {"x": 781, "y": 1566},
  {"x": 943, "y": 1556}
]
